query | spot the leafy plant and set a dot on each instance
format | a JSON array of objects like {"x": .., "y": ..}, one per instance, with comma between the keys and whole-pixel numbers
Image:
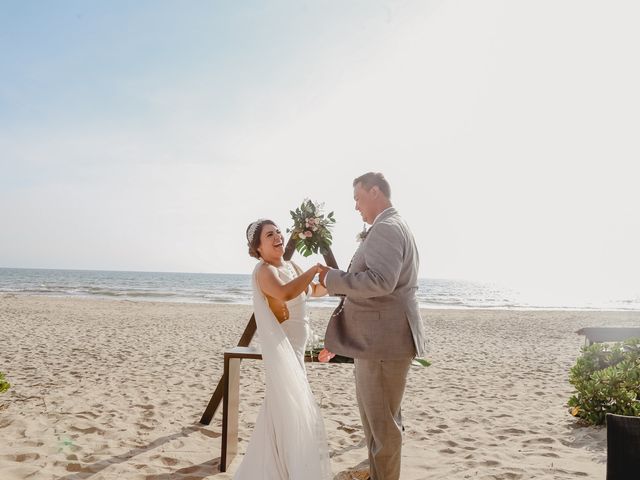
[
  {"x": 4, "y": 385},
  {"x": 311, "y": 228},
  {"x": 607, "y": 380}
]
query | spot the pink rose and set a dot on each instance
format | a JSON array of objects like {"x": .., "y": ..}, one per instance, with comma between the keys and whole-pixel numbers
[{"x": 308, "y": 234}]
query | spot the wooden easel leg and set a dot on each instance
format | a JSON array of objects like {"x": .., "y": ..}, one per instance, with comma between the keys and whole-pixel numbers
[
  {"x": 230, "y": 411},
  {"x": 214, "y": 403}
]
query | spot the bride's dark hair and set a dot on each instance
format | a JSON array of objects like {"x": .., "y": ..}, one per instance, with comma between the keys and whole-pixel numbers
[{"x": 254, "y": 242}]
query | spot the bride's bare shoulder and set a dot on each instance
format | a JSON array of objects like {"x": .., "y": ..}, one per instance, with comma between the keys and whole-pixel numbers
[{"x": 266, "y": 269}]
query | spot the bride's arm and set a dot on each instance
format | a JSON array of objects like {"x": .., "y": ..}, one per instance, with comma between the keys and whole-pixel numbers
[
  {"x": 272, "y": 286},
  {"x": 317, "y": 290}
]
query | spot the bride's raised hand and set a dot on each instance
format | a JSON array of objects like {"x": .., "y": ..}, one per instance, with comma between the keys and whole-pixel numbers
[{"x": 319, "y": 288}]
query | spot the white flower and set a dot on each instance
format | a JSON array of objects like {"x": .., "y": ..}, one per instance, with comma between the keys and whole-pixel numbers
[
  {"x": 363, "y": 234},
  {"x": 302, "y": 236}
]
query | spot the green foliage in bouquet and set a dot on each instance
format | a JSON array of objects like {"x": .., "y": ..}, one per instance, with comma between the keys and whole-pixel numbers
[
  {"x": 607, "y": 380},
  {"x": 311, "y": 228},
  {"x": 423, "y": 362},
  {"x": 4, "y": 385}
]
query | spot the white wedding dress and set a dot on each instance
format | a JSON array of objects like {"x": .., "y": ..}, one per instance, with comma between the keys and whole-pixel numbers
[{"x": 289, "y": 441}]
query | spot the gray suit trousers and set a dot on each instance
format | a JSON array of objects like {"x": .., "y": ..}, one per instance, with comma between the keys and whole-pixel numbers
[{"x": 379, "y": 388}]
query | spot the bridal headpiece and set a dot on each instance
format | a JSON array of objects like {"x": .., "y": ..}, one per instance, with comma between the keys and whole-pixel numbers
[{"x": 252, "y": 229}]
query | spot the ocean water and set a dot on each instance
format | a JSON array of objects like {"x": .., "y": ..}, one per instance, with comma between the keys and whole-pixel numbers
[{"x": 236, "y": 288}]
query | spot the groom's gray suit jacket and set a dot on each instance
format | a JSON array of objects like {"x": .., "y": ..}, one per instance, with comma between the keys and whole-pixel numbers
[{"x": 380, "y": 318}]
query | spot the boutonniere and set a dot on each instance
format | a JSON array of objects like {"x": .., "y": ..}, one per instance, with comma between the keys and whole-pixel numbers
[{"x": 363, "y": 234}]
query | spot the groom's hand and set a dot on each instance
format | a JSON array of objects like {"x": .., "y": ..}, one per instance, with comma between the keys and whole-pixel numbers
[{"x": 323, "y": 274}]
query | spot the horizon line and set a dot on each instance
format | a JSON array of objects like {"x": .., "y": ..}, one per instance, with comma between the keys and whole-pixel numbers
[{"x": 2, "y": 267}]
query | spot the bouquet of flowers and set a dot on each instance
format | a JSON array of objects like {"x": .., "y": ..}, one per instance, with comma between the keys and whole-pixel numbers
[
  {"x": 311, "y": 228},
  {"x": 316, "y": 352}
]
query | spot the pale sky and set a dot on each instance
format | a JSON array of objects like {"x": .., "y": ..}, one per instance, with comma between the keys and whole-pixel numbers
[{"x": 146, "y": 135}]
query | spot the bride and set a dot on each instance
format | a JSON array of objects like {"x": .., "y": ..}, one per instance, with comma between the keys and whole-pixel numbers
[{"x": 289, "y": 440}]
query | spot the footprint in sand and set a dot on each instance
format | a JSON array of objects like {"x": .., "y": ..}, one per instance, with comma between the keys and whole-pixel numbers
[
  {"x": 348, "y": 429},
  {"x": 22, "y": 457},
  {"x": 169, "y": 461},
  {"x": 87, "y": 431},
  {"x": 543, "y": 440},
  {"x": 84, "y": 415},
  {"x": 142, "y": 426},
  {"x": 468, "y": 420},
  {"x": 77, "y": 468},
  {"x": 508, "y": 476},
  {"x": 571, "y": 472},
  {"x": 502, "y": 415},
  {"x": 209, "y": 433}
]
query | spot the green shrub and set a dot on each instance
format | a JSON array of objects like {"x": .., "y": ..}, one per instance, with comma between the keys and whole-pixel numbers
[
  {"x": 607, "y": 380},
  {"x": 4, "y": 385}
]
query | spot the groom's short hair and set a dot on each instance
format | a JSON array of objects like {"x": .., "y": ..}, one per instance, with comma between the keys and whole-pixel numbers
[{"x": 374, "y": 179}]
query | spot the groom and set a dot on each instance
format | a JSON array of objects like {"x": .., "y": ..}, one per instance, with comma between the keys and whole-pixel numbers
[{"x": 378, "y": 322}]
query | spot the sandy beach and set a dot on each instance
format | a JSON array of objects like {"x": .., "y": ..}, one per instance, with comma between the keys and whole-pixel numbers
[{"x": 115, "y": 389}]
